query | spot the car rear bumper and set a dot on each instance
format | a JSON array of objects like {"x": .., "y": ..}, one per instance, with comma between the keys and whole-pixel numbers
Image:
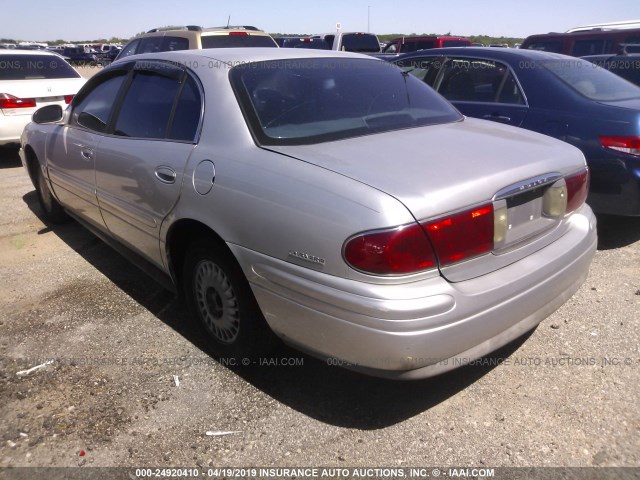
[
  {"x": 426, "y": 328},
  {"x": 11, "y": 127}
]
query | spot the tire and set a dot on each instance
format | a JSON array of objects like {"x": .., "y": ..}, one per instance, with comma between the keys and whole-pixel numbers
[
  {"x": 53, "y": 211},
  {"x": 219, "y": 297}
]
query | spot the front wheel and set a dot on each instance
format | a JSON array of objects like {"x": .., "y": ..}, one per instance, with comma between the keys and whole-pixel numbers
[
  {"x": 53, "y": 211},
  {"x": 219, "y": 296}
]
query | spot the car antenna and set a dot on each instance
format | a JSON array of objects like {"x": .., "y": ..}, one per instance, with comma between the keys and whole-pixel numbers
[{"x": 228, "y": 21}]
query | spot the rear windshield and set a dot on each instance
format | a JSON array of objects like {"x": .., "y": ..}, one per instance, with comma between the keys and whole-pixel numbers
[
  {"x": 592, "y": 81},
  {"x": 360, "y": 42},
  {"x": 314, "y": 100},
  {"x": 26, "y": 67},
  {"x": 626, "y": 67},
  {"x": 229, "y": 41}
]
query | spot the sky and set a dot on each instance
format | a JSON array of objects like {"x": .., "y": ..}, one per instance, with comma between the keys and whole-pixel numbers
[{"x": 41, "y": 20}]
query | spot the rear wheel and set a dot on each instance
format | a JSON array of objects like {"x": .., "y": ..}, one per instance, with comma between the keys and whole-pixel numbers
[
  {"x": 219, "y": 296},
  {"x": 53, "y": 211}
]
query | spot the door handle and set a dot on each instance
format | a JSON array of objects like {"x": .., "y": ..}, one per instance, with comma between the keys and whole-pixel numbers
[
  {"x": 498, "y": 118},
  {"x": 165, "y": 174},
  {"x": 86, "y": 153}
]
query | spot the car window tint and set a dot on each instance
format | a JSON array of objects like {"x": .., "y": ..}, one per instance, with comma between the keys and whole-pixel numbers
[
  {"x": 626, "y": 67},
  {"x": 28, "y": 67},
  {"x": 150, "y": 45},
  {"x": 171, "y": 44},
  {"x": 582, "y": 48},
  {"x": 130, "y": 49},
  {"x": 94, "y": 108},
  {"x": 313, "y": 100},
  {"x": 425, "y": 69},
  {"x": 187, "y": 115},
  {"x": 229, "y": 41},
  {"x": 554, "y": 46},
  {"x": 591, "y": 81},
  {"x": 478, "y": 80},
  {"x": 455, "y": 43},
  {"x": 147, "y": 106},
  {"x": 360, "y": 42}
]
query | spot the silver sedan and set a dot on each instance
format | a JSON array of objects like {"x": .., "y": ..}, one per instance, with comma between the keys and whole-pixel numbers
[{"x": 324, "y": 197}]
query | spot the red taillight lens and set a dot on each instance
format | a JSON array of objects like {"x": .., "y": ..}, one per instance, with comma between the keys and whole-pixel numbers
[
  {"x": 9, "y": 101},
  {"x": 400, "y": 251},
  {"x": 238, "y": 34},
  {"x": 577, "y": 190},
  {"x": 462, "y": 235},
  {"x": 68, "y": 99},
  {"x": 630, "y": 145}
]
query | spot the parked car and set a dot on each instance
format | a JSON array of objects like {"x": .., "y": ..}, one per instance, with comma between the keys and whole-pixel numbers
[
  {"x": 626, "y": 66},
  {"x": 79, "y": 56},
  {"x": 412, "y": 44},
  {"x": 195, "y": 37},
  {"x": 30, "y": 79},
  {"x": 565, "y": 97},
  {"x": 323, "y": 196},
  {"x": 596, "y": 41}
]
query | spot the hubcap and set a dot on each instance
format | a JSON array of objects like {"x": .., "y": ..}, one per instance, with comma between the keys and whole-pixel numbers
[{"x": 217, "y": 302}]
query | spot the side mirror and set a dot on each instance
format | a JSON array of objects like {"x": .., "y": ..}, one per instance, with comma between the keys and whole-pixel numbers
[{"x": 48, "y": 114}]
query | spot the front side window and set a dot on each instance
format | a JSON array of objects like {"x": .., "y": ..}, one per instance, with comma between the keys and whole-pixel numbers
[
  {"x": 313, "y": 100},
  {"x": 479, "y": 80},
  {"x": 93, "y": 109}
]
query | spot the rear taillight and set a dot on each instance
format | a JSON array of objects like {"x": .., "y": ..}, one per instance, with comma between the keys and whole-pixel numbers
[
  {"x": 577, "y": 189},
  {"x": 462, "y": 235},
  {"x": 400, "y": 251},
  {"x": 238, "y": 34},
  {"x": 630, "y": 145},
  {"x": 9, "y": 101},
  {"x": 68, "y": 99}
]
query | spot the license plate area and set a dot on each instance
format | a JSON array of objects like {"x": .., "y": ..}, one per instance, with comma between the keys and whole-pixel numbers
[{"x": 522, "y": 214}]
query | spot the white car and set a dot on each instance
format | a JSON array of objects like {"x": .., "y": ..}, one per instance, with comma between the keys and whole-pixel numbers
[{"x": 30, "y": 79}]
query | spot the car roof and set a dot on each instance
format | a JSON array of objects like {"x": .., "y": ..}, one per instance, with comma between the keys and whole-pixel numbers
[
  {"x": 487, "y": 52},
  {"x": 16, "y": 51},
  {"x": 244, "y": 55}
]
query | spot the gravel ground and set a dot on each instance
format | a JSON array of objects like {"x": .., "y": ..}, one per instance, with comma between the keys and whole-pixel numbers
[{"x": 133, "y": 383}]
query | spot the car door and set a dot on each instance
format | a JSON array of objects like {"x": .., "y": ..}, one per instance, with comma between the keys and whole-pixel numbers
[
  {"x": 140, "y": 165},
  {"x": 483, "y": 88},
  {"x": 72, "y": 148}
]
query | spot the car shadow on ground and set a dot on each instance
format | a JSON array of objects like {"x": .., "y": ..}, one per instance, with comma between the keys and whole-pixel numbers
[
  {"x": 9, "y": 157},
  {"x": 617, "y": 232},
  {"x": 329, "y": 394}
]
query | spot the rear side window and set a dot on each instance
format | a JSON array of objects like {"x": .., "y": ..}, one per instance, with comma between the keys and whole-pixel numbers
[
  {"x": 95, "y": 106},
  {"x": 230, "y": 41},
  {"x": 160, "y": 104},
  {"x": 476, "y": 80},
  {"x": 455, "y": 43},
  {"x": 554, "y": 46},
  {"x": 425, "y": 69},
  {"x": 33, "y": 67},
  {"x": 147, "y": 106},
  {"x": 582, "y": 48}
]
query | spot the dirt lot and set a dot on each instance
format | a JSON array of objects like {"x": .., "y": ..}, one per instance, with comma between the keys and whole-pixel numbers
[{"x": 132, "y": 382}]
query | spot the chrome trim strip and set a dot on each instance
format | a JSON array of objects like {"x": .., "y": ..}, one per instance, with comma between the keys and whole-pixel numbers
[{"x": 526, "y": 185}]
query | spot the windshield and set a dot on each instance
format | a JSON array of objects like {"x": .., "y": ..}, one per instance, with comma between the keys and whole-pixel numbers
[
  {"x": 312, "y": 100},
  {"x": 33, "y": 67},
  {"x": 592, "y": 81}
]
